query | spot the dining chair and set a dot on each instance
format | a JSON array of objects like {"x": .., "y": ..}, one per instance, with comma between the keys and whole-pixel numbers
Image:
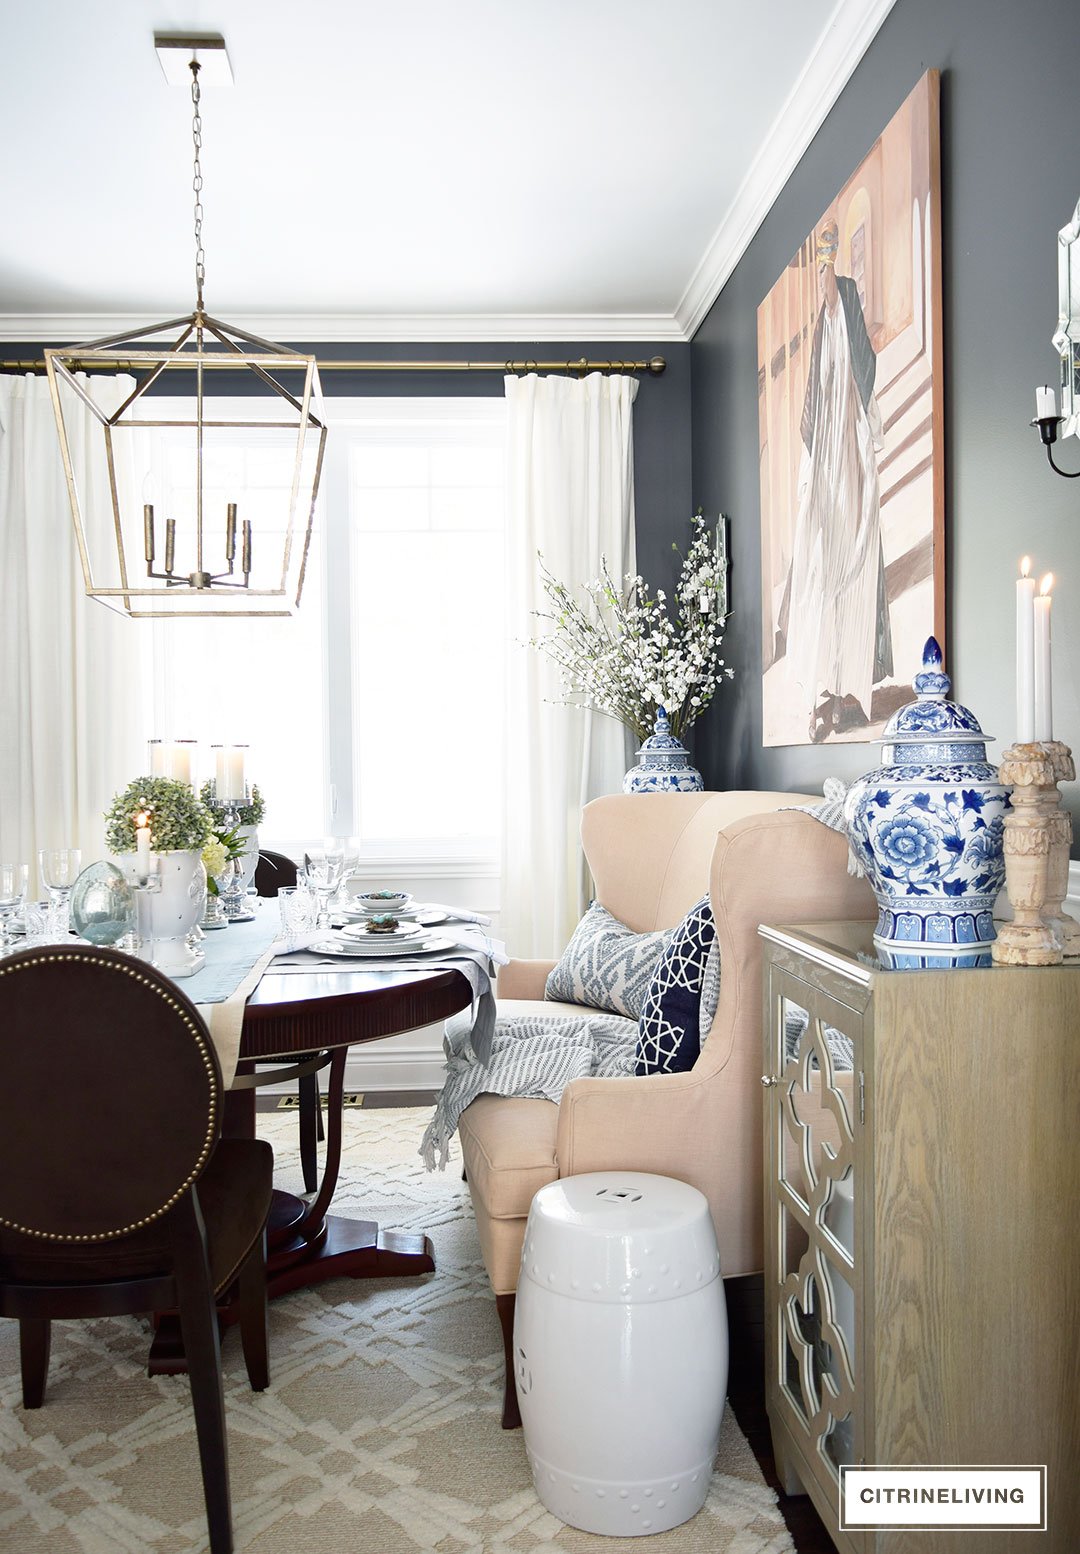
[
  {"x": 117, "y": 1193},
  {"x": 274, "y": 872}
]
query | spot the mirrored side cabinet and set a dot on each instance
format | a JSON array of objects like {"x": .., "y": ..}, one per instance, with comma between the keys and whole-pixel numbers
[{"x": 922, "y": 1177}]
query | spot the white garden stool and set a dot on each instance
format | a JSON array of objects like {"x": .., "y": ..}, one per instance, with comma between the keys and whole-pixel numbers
[{"x": 621, "y": 1350}]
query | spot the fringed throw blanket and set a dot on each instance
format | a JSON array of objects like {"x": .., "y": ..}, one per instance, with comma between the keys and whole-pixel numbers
[{"x": 532, "y": 1055}]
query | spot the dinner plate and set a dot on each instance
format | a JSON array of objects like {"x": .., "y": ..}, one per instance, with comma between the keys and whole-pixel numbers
[{"x": 360, "y": 949}]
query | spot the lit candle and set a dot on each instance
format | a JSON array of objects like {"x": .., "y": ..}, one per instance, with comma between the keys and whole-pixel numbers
[
  {"x": 229, "y": 773},
  {"x": 1044, "y": 705},
  {"x": 1025, "y": 654},
  {"x": 1045, "y": 403},
  {"x": 143, "y": 841}
]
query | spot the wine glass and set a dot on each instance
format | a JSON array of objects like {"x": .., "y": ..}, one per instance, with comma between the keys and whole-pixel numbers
[
  {"x": 14, "y": 883},
  {"x": 323, "y": 867},
  {"x": 59, "y": 869},
  {"x": 350, "y": 848}
]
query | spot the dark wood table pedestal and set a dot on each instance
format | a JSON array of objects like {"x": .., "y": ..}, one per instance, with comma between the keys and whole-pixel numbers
[{"x": 306, "y": 1244}]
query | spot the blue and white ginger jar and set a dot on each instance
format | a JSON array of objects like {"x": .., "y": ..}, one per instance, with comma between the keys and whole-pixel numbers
[
  {"x": 927, "y": 824},
  {"x": 663, "y": 764}
]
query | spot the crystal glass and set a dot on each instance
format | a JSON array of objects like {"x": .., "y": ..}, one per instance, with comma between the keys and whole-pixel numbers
[
  {"x": 299, "y": 908},
  {"x": 59, "y": 868},
  {"x": 323, "y": 867},
  {"x": 14, "y": 882}
]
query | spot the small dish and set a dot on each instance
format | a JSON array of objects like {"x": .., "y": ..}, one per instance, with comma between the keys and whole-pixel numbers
[{"x": 374, "y": 901}]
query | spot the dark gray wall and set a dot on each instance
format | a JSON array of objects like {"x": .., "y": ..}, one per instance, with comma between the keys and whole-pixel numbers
[
  {"x": 662, "y": 476},
  {"x": 1010, "y": 180}
]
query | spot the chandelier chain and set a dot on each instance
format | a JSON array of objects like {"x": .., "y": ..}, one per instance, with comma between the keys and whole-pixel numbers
[{"x": 197, "y": 183}]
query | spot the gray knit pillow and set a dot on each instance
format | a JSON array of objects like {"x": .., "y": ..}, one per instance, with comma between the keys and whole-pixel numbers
[{"x": 606, "y": 965}]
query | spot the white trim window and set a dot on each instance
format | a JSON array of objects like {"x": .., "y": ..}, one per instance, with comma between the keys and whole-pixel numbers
[{"x": 375, "y": 711}]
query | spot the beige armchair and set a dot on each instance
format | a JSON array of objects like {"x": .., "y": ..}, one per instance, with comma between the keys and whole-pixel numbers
[{"x": 652, "y": 856}]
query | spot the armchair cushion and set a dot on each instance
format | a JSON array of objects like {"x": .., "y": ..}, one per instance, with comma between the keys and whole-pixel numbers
[
  {"x": 672, "y": 1024},
  {"x": 606, "y": 965}
]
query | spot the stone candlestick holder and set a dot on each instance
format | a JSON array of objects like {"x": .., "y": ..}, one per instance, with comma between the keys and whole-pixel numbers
[{"x": 1038, "y": 834}]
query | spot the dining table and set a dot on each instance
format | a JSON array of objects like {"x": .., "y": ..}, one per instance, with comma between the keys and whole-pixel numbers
[{"x": 299, "y": 1019}]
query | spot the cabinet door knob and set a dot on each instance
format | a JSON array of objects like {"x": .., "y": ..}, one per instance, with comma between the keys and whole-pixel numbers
[{"x": 770, "y": 1079}]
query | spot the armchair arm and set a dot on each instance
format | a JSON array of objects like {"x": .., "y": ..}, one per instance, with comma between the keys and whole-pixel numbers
[
  {"x": 523, "y": 978},
  {"x": 694, "y": 1126}
]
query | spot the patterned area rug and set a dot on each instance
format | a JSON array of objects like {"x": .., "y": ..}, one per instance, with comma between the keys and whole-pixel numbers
[{"x": 379, "y": 1433}]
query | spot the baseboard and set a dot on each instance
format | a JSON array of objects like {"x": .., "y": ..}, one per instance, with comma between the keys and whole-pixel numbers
[{"x": 418, "y": 1068}]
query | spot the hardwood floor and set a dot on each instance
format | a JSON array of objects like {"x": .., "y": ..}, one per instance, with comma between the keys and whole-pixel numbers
[{"x": 746, "y": 1396}]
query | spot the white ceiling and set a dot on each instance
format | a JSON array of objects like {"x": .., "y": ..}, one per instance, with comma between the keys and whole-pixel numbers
[{"x": 435, "y": 169}]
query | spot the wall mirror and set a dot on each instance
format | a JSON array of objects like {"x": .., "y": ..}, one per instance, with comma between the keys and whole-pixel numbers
[{"x": 1067, "y": 335}]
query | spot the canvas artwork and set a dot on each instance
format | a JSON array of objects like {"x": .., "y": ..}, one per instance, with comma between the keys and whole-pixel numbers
[{"x": 850, "y": 427}]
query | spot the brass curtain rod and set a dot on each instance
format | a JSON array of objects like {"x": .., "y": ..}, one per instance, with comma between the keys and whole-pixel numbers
[{"x": 655, "y": 366}]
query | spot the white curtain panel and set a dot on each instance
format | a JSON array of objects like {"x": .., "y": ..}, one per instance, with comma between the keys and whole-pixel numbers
[
  {"x": 570, "y": 495},
  {"x": 72, "y": 675}
]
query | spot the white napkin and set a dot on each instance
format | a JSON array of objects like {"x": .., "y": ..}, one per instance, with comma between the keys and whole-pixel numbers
[
  {"x": 298, "y": 941},
  {"x": 471, "y": 938},
  {"x": 459, "y": 912}
]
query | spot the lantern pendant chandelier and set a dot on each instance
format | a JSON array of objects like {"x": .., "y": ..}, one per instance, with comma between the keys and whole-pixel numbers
[{"x": 200, "y": 457}]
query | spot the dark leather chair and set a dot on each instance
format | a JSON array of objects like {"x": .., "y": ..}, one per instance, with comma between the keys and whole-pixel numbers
[
  {"x": 274, "y": 872},
  {"x": 117, "y": 1193}
]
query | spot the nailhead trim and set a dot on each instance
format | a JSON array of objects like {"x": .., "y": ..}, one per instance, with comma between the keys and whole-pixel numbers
[{"x": 208, "y": 1064}]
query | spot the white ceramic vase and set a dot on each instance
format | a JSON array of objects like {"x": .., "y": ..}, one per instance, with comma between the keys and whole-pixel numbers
[{"x": 167, "y": 916}]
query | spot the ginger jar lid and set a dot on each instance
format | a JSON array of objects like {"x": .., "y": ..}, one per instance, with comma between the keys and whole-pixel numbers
[
  {"x": 932, "y": 717},
  {"x": 662, "y": 741}
]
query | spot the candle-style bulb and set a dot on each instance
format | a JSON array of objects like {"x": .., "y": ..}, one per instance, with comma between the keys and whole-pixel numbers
[
  {"x": 1046, "y": 584},
  {"x": 148, "y": 532},
  {"x": 1045, "y": 403},
  {"x": 1025, "y": 566}
]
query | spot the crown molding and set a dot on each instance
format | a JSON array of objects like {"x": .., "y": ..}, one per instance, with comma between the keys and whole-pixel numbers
[
  {"x": 848, "y": 34},
  {"x": 357, "y": 328}
]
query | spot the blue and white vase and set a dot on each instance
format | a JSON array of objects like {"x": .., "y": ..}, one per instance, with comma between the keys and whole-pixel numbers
[
  {"x": 663, "y": 764},
  {"x": 927, "y": 824}
]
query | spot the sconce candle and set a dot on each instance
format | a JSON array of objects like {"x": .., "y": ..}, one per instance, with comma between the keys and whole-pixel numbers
[
  {"x": 1025, "y": 654},
  {"x": 1044, "y": 707},
  {"x": 1045, "y": 403}
]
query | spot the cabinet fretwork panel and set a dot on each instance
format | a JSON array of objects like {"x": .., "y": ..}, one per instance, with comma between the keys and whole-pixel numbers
[{"x": 922, "y": 1236}]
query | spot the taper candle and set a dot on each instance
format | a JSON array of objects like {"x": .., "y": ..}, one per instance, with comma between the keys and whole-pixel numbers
[
  {"x": 1025, "y": 654},
  {"x": 143, "y": 841},
  {"x": 1044, "y": 702}
]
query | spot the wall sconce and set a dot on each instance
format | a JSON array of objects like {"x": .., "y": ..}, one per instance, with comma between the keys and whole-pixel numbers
[{"x": 1048, "y": 421}]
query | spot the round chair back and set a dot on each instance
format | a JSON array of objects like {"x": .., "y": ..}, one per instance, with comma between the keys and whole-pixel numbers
[{"x": 110, "y": 1100}]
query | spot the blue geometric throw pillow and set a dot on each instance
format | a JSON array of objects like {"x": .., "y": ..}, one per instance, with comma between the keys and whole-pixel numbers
[
  {"x": 670, "y": 1029},
  {"x": 607, "y": 965}
]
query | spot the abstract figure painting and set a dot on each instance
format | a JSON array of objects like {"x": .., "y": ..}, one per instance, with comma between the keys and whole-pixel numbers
[{"x": 851, "y": 456}]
